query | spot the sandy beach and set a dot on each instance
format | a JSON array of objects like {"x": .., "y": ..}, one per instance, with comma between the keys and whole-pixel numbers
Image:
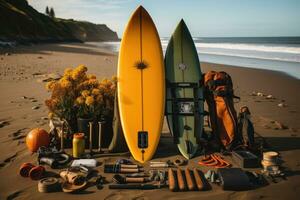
[{"x": 24, "y": 70}]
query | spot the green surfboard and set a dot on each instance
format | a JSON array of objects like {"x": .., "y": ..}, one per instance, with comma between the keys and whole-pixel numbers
[{"x": 184, "y": 103}]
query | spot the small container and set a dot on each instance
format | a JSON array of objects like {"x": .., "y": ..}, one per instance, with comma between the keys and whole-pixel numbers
[{"x": 78, "y": 145}]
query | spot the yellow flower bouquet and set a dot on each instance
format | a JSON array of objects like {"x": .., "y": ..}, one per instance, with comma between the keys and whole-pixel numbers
[{"x": 79, "y": 95}]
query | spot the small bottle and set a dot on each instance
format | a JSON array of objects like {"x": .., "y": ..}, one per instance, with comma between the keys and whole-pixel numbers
[{"x": 78, "y": 145}]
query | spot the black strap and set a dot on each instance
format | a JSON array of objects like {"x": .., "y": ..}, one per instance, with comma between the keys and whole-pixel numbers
[
  {"x": 175, "y": 120},
  {"x": 215, "y": 83},
  {"x": 225, "y": 93},
  {"x": 196, "y": 116}
]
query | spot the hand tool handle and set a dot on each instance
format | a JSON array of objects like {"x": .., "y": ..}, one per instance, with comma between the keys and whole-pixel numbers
[
  {"x": 128, "y": 170},
  {"x": 199, "y": 179},
  {"x": 189, "y": 179},
  {"x": 134, "y": 180},
  {"x": 158, "y": 165},
  {"x": 173, "y": 185},
  {"x": 135, "y": 186},
  {"x": 129, "y": 166},
  {"x": 181, "y": 180}
]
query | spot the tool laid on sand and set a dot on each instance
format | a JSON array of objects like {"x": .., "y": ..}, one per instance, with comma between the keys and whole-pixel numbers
[
  {"x": 181, "y": 180},
  {"x": 184, "y": 101},
  {"x": 52, "y": 157},
  {"x": 73, "y": 182},
  {"x": 160, "y": 164},
  {"x": 84, "y": 162},
  {"x": 141, "y": 85},
  {"x": 173, "y": 183},
  {"x": 32, "y": 171},
  {"x": 214, "y": 160},
  {"x": 189, "y": 179},
  {"x": 200, "y": 180},
  {"x": 122, "y": 169},
  {"x": 135, "y": 186},
  {"x": 50, "y": 184},
  {"x": 123, "y": 180}
]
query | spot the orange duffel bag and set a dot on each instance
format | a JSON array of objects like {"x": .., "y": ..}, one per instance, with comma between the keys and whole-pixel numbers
[{"x": 219, "y": 96}]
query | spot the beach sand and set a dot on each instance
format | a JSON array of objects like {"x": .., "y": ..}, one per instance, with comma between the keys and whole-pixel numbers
[{"x": 23, "y": 70}]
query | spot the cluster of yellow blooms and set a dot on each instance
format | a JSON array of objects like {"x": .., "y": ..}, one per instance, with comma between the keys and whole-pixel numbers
[{"x": 80, "y": 94}]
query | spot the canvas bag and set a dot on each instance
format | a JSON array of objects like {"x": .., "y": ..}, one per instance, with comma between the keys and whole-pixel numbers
[
  {"x": 245, "y": 127},
  {"x": 219, "y": 97}
]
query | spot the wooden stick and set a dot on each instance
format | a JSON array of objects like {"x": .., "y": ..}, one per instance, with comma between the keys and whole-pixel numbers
[
  {"x": 91, "y": 136},
  {"x": 62, "y": 137}
]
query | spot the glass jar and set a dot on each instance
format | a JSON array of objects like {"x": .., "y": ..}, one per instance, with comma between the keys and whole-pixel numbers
[{"x": 78, "y": 145}]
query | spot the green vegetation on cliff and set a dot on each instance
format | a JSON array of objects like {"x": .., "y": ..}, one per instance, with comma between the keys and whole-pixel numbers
[{"x": 21, "y": 23}]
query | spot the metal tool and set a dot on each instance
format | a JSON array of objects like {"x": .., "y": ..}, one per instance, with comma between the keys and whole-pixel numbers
[
  {"x": 123, "y": 180},
  {"x": 100, "y": 135},
  {"x": 120, "y": 169},
  {"x": 135, "y": 186},
  {"x": 160, "y": 164},
  {"x": 91, "y": 138},
  {"x": 62, "y": 137}
]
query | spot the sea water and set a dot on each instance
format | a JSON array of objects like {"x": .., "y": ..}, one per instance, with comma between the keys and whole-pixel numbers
[{"x": 272, "y": 53}]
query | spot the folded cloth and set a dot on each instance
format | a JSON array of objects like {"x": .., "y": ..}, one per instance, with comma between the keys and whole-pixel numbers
[{"x": 84, "y": 162}]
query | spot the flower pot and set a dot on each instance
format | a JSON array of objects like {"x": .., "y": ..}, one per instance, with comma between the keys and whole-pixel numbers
[
  {"x": 106, "y": 132},
  {"x": 83, "y": 125},
  {"x": 73, "y": 125}
]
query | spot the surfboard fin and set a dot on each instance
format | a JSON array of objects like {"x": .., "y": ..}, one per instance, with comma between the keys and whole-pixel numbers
[{"x": 189, "y": 147}]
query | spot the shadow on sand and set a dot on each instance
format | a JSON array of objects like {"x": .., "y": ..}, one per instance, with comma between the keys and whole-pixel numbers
[{"x": 283, "y": 143}]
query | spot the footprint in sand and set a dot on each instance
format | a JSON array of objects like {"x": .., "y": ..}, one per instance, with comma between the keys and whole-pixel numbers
[
  {"x": 19, "y": 134},
  {"x": 14, "y": 195},
  {"x": 3, "y": 123},
  {"x": 272, "y": 124},
  {"x": 8, "y": 160}
]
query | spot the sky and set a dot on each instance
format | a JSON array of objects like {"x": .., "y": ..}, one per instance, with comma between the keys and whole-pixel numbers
[{"x": 205, "y": 18}]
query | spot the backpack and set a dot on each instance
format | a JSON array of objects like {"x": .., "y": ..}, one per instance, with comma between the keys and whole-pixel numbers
[
  {"x": 245, "y": 127},
  {"x": 219, "y": 95}
]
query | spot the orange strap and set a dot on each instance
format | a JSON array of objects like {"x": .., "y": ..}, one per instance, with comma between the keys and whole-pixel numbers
[{"x": 214, "y": 160}]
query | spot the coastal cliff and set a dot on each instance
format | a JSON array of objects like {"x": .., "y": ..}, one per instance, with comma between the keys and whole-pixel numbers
[{"x": 21, "y": 23}]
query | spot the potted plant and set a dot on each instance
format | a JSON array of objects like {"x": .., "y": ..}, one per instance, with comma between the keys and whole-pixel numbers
[{"x": 79, "y": 98}]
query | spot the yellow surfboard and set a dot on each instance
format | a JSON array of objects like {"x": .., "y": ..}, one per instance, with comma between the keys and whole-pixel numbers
[{"x": 141, "y": 85}]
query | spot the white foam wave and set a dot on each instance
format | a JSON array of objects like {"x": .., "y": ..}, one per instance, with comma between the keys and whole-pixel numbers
[
  {"x": 245, "y": 47},
  {"x": 251, "y": 47},
  {"x": 290, "y": 59}
]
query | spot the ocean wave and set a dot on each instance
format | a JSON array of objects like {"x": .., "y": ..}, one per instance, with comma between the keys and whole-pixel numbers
[
  {"x": 293, "y": 59},
  {"x": 244, "y": 46},
  {"x": 250, "y": 47}
]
